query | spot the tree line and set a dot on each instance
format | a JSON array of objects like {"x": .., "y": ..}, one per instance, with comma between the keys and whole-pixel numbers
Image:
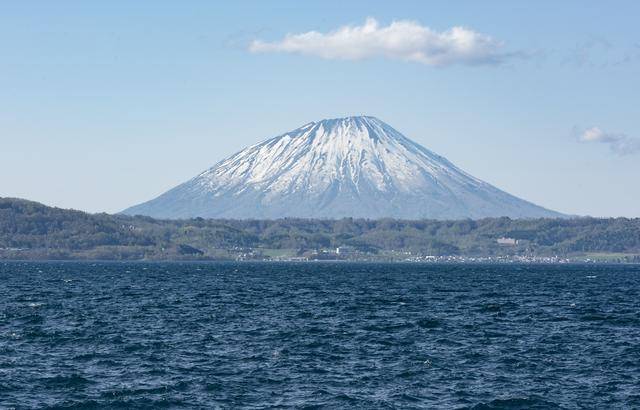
[{"x": 32, "y": 230}]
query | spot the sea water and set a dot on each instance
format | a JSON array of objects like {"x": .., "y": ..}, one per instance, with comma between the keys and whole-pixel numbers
[{"x": 318, "y": 335}]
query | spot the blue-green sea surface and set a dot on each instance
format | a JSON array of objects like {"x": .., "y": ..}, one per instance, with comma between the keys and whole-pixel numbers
[{"x": 325, "y": 335}]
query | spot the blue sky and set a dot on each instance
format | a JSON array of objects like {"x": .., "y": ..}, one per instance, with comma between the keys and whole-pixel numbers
[{"x": 105, "y": 105}]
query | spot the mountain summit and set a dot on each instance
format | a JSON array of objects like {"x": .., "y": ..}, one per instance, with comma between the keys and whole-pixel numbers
[{"x": 345, "y": 167}]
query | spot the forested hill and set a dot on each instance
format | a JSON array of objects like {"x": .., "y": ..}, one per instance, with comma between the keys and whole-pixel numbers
[{"x": 29, "y": 230}]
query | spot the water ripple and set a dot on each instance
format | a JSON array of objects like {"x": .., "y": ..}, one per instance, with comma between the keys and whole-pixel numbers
[{"x": 180, "y": 335}]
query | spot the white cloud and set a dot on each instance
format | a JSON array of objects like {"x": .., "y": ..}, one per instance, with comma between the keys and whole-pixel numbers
[
  {"x": 401, "y": 40},
  {"x": 619, "y": 143}
]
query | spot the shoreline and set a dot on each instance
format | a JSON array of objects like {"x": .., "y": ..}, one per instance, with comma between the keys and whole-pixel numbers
[{"x": 316, "y": 262}]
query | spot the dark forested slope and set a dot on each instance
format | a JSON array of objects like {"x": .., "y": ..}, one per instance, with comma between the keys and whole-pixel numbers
[{"x": 29, "y": 230}]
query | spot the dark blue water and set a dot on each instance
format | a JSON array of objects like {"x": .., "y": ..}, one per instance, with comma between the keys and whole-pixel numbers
[{"x": 111, "y": 335}]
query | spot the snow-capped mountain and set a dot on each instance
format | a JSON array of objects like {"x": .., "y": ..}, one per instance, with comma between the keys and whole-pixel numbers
[{"x": 346, "y": 167}]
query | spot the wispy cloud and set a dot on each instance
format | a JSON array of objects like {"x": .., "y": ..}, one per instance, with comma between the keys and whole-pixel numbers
[
  {"x": 598, "y": 52},
  {"x": 619, "y": 143},
  {"x": 403, "y": 40}
]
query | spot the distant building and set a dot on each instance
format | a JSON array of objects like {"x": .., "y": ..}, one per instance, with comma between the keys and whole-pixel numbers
[
  {"x": 507, "y": 241},
  {"x": 344, "y": 250}
]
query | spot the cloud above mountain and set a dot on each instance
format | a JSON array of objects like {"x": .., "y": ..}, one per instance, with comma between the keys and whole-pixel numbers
[
  {"x": 619, "y": 143},
  {"x": 402, "y": 40}
]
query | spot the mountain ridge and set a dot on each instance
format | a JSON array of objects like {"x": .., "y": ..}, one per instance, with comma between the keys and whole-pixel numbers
[{"x": 355, "y": 166}]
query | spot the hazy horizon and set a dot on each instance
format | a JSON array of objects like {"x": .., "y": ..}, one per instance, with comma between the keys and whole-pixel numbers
[{"x": 108, "y": 105}]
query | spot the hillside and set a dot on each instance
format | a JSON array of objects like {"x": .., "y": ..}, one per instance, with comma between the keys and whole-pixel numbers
[{"x": 29, "y": 230}]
